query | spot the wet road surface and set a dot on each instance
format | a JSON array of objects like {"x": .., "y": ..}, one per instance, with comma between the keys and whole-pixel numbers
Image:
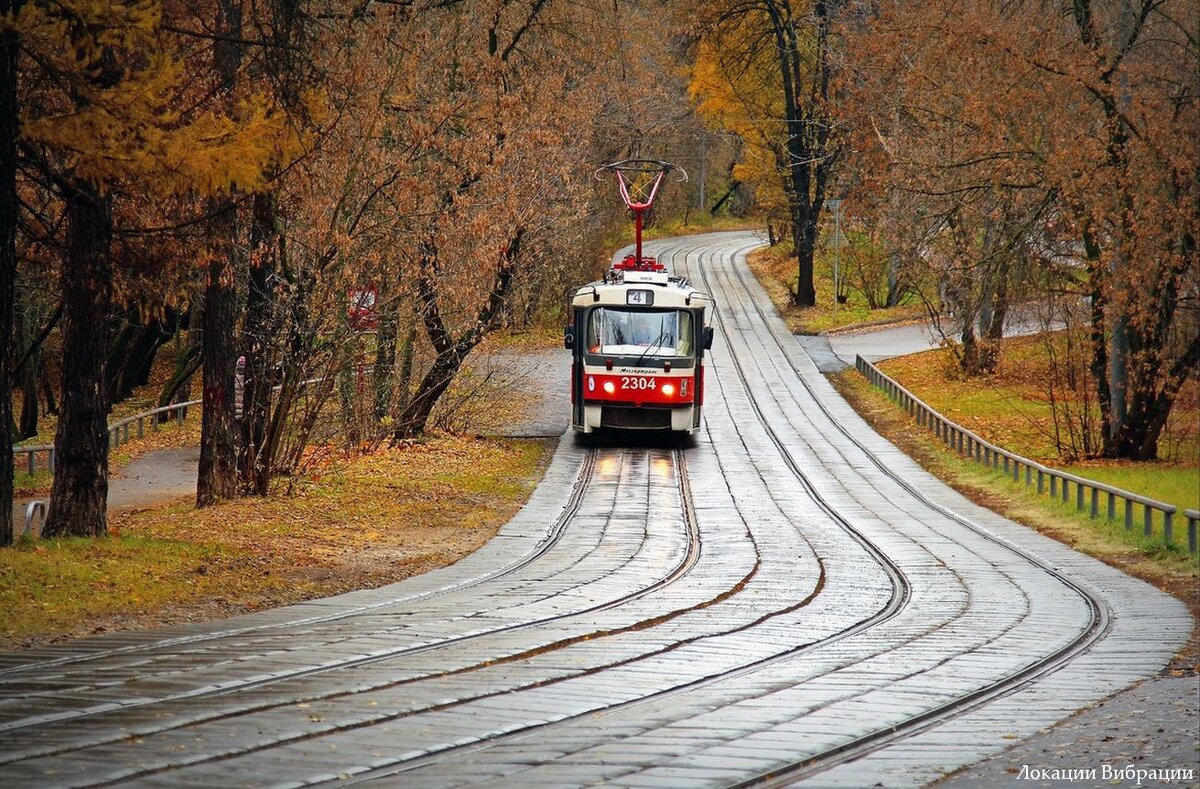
[{"x": 789, "y": 600}]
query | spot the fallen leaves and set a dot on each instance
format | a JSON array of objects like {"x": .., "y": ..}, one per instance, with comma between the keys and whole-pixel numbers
[{"x": 367, "y": 522}]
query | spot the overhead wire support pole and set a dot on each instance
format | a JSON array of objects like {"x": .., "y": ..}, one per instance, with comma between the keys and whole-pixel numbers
[{"x": 639, "y": 181}]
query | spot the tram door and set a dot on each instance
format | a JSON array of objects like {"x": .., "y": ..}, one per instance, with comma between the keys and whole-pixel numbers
[{"x": 575, "y": 341}]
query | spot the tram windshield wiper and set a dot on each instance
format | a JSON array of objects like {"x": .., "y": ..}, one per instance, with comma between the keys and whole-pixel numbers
[{"x": 658, "y": 341}]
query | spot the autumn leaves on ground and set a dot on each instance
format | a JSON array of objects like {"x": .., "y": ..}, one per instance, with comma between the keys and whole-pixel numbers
[{"x": 347, "y": 525}]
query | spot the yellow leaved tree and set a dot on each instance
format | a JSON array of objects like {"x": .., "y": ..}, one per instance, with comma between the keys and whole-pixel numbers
[
  {"x": 736, "y": 94},
  {"x": 102, "y": 117},
  {"x": 763, "y": 71}
]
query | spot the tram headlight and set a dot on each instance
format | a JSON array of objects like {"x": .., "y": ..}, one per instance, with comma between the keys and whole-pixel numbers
[
  {"x": 668, "y": 389},
  {"x": 610, "y": 387}
]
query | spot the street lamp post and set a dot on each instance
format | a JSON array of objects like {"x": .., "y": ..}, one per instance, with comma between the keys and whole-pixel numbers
[{"x": 836, "y": 204}]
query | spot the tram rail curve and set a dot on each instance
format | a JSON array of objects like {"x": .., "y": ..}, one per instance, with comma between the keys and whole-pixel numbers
[
  {"x": 686, "y": 561},
  {"x": 868, "y": 743},
  {"x": 786, "y": 601}
]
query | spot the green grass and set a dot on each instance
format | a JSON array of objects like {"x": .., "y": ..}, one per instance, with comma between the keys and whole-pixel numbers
[
  {"x": 54, "y": 585},
  {"x": 699, "y": 222},
  {"x": 776, "y": 272},
  {"x": 1085, "y": 530},
  {"x": 1175, "y": 484},
  {"x": 1010, "y": 409},
  {"x": 25, "y": 484}
]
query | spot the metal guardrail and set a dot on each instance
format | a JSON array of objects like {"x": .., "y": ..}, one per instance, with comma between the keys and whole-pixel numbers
[
  {"x": 1061, "y": 484},
  {"x": 34, "y": 511},
  {"x": 118, "y": 433}
]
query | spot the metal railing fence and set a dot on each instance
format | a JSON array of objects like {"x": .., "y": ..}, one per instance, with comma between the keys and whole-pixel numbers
[
  {"x": 1059, "y": 484},
  {"x": 119, "y": 432}
]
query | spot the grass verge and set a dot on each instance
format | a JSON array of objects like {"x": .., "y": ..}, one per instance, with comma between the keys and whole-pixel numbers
[
  {"x": 1011, "y": 410},
  {"x": 775, "y": 268},
  {"x": 1169, "y": 568},
  {"x": 349, "y": 525}
]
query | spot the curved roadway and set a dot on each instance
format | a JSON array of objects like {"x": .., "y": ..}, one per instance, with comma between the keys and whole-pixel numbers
[{"x": 789, "y": 600}]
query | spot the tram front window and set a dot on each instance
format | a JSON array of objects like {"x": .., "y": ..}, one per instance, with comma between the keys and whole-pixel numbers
[{"x": 640, "y": 332}]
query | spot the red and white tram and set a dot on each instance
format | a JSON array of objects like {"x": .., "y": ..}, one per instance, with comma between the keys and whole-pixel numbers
[
  {"x": 638, "y": 339},
  {"x": 638, "y": 336}
]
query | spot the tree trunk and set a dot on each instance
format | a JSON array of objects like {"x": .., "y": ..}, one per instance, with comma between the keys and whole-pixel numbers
[
  {"x": 29, "y": 395},
  {"x": 415, "y": 417},
  {"x": 385, "y": 355},
  {"x": 408, "y": 350},
  {"x": 895, "y": 285},
  {"x": 808, "y": 160},
  {"x": 451, "y": 351},
  {"x": 8, "y": 254},
  {"x": 118, "y": 348},
  {"x": 25, "y": 376},
  {"x": 259, "y": 331},
  {"x": 48, "y": 391},
  {"x": 179, "y": 388},
  {"x": 969, "y": 355},
  {"x": 717, "y": 206},
  {"x": 131, "y": 368},
  {"x": 804, "y": 242},
  {"x": 78, "y": 498},
  {"x": 217, "y": 476}
]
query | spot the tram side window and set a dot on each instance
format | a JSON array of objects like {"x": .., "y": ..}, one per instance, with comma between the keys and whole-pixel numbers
[{"x": 649, "y": 332}]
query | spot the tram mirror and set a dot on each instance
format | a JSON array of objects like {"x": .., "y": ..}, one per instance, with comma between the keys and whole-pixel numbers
[
  {"x": 569, "y": 338},
  {"x": 708, "y": 337}
]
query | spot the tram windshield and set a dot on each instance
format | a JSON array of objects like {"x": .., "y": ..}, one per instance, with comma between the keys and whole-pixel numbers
[{"x": 640, "y": 332}]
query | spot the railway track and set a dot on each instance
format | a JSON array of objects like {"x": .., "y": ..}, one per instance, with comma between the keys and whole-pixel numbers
[
  {"x": 1093, "y": 628},
  {"x": 788, "y": 600}
]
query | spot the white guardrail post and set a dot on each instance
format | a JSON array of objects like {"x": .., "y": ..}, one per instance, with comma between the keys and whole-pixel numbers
[
  {"x": 35, "y": 509},
  {"x": 1087, "y": 492}
]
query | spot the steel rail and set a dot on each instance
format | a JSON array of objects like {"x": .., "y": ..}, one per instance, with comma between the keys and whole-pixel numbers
[
  {"x": 742, "y": 670},
  {"x": 552, "y": 536},
  {"x": 901, "y": 592},
  {"x": 526, "y": 731},
  {"x": 547, "y": 541},
  {"x": 1097, "y": 626},
  {"x": 408, "y": 765},
  {"x": 684, "y": 566},
  {"x": 679, "y": 570},
  {"x": 896, "y": 604}
]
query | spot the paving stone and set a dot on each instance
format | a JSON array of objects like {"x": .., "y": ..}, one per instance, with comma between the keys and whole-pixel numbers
[{"x": 605, "y": 652}]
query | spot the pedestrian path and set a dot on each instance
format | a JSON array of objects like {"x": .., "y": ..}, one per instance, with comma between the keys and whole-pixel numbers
[
  {"x": 835, "y": 352},
  {"x": 156, "y": 477}
]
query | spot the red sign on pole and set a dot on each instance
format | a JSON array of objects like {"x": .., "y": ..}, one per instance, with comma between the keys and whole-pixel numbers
[{"x": 362, "y": 312}]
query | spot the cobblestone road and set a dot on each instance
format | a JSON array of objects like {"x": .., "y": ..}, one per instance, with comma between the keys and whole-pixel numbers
[{"x": 789, "y": 600}]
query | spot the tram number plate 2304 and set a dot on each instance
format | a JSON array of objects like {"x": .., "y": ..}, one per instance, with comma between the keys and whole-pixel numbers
[
  {"x": 642, "y": 298},
  {"x": 638, "y": 382}
]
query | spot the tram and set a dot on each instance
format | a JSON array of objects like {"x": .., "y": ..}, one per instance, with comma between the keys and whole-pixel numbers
[{"x": 638, "y": 338}]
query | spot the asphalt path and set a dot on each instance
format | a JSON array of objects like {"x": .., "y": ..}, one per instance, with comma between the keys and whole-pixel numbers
[
  {"x": 153, "y": 478},
  {"x": 788, "y": 600}
]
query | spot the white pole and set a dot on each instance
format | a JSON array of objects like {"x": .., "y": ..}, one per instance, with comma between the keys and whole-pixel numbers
[{"x": 837, "y": 248}]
